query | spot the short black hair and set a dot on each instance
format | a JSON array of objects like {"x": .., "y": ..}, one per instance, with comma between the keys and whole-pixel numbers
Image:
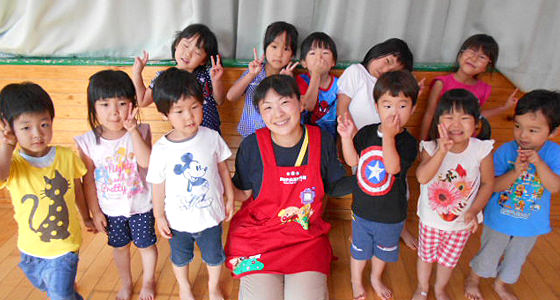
[
  {"x": 108, "y": 84},
  {"x": 172, "y": 85},
  {"x": 455, "y": 100},
  {"x": 484, "y": 42},
  {"x": 283, "y": 85},
  {"x": 318, "y": 40},
  {"x": 206, "y": 39},
  {"x": 396, "y": 82},
  {"x": 277, "y": 28},
  {"x": 393, "y": 46},
  {"x": 547, "y": 102},
  {"x": 26, "y": 97}
]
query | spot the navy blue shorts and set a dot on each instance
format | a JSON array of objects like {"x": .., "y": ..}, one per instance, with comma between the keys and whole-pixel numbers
[
  {"x": 138, "y": 228},
  {"x": 209, "y": 241},
  {"x": 371, "y": 238}
]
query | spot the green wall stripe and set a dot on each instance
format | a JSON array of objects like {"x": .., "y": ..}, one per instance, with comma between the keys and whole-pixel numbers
[{"x": 111, "y": 61}]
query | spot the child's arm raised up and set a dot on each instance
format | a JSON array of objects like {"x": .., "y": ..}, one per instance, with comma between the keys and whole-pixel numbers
[
  {"x": 430, "y": 110},
  {"x": 347, "y": 130},
  {"x": 90, "y": 193},
  {"x": 317, "y": 68},
  {"x": 8, "y": 143},
  {"x": 239, "y": 87},
  {"x": 216, "y": 74},
  {"x": 390, "y": 128},
  {"x": 142, "y": 145},
  {"x": 144, "y": 95},
  {"x": 484, "y": 192},
  {"x": 158, "y": 190},
  {"x": 510, "y": 103},
  {"x": 429, "y": 165},
  {"x": 228, "y": 189}
]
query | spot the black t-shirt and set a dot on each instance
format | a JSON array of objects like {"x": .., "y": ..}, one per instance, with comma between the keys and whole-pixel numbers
[
  {"x": 249, "y": 165},
  {"x": 390, "y": 204}
]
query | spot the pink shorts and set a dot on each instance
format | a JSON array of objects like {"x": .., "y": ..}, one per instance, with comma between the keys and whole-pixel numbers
[{"x": 441, "y": 246}]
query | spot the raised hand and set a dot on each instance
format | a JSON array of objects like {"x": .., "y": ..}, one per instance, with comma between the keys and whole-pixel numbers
[
  {"x": 345, "y": 127},
  {"x": 318, "y": 66},
  {"x": 511, "y": 100},
  {"x": 140, "y": 63},
  {"x": 255, "y": 67},
  {"x": 8, "y": 137},
  {"x": 444, "y": 142},
  {"x": 391, "y": 126},
  {"x": 130, "y": 122},
  {"x": 421, "y": 86},
  {"x": 529, "y": 155},
  {"x": 217, "y": 69},
  {"x": 289, "y": 69}
]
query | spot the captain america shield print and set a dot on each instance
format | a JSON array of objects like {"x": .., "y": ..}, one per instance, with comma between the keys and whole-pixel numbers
[{"x": 372, "y": 177}]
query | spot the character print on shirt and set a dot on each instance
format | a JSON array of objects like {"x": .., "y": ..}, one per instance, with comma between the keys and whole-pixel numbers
[
  {"x": 320, "y": 111},
  {"x": 302, "y": 214},
  {"x": 119, "y": 176},
  {"x": 450, "y": 193},
  {"x": 372, "y": 177},
  {"x": 523, "y": 196},
  {"x": 246, "y": 264},
  {"x": 55, "y": 225},
  {"x": 197, "y": 185}
]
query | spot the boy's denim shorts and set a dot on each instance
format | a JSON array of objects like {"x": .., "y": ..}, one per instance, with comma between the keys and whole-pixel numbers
[
  {"x": 209, "y": 241},
  {"x": 371, "y": 238},
  {"x": 56, "y": 276},
  {"x": 138, "y": 228}
]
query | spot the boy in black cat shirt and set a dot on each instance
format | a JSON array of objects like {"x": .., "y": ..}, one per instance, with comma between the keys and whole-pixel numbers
[{"x": 46, "y": 191}]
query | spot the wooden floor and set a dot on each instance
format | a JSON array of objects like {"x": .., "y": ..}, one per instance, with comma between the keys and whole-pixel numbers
[{"x": 97, "y": 277}]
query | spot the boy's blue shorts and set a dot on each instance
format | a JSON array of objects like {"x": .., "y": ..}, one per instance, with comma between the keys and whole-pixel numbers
[
  {"x": 371, "y": 238},
  {"x": 56, "y": 276},
  {"x": 138, "y": 228},
  {"x": 209, "y": 241}
]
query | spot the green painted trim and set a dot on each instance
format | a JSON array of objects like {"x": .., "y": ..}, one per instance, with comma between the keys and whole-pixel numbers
[{"x": 123, "y": 61}]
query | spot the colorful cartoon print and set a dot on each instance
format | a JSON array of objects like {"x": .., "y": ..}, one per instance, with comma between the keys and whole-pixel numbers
[
  {"x": 522, "y": 197},
  {"x": 450, "y": 193},
  {"x": 243, "y": 264},
  {"x": 372, "y": 177},
  {"x": 197, "y": 184},
  {"x": 119, "y": 176}
]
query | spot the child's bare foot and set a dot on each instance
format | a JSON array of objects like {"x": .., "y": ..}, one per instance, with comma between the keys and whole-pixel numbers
[
  {"x": 147, "y": 291},
  {"x": 441, "y": 295},
  {"x": 472, "y": 289},
  {"x": 185, "y": 294},
  {"x": 381, "y": 290},
  {"x": 410, "y": 241},
  {"x": 504, "y": 291},
  {"x": 420, "y": 294},
  {"x": 125, "y": 292},
  {"x": 358, "y": 291}
]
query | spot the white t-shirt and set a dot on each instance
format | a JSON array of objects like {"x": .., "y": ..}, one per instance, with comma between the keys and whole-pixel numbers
[
  {"x": 357, "y": 83},
  {"x": 444, "y": 200},
  {"x": 193, "y": 187},
  {"x": 121, "y": 184}
]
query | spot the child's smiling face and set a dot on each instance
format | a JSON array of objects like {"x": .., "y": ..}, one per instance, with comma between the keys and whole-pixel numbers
[
  {"x": 531, "y": 130},
  {"x": 459, "y": 124},
  {"x": 188, "y": 56},
  {"x": 473, "y": 61},
  {"x": 381, "y": 65}
]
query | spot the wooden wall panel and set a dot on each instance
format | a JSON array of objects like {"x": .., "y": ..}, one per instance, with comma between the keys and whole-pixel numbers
[{"x": 67, "y": 87}]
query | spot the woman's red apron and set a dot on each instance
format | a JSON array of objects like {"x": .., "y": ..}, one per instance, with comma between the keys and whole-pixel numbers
[{"x": 282, "y": 231}]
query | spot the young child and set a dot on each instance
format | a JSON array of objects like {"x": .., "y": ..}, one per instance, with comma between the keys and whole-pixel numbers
[
  {"x": 318, "y": 87},
  {"x": 116, "y": 153},
  {"x": 527, "y": 172},
  {"x": 43, "y": 181},
  {"x": 193, "y": 49},
  {"x": 456, "y": 180},
  {"x": 189, "y": 174},
  {"x": 355, "y": 86},
  {"x": 477, "y": 54},
  {"x": 278, "y": 241},
  {"x": 280, "y": 43},
  {"x": 383, "y": 153}
]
